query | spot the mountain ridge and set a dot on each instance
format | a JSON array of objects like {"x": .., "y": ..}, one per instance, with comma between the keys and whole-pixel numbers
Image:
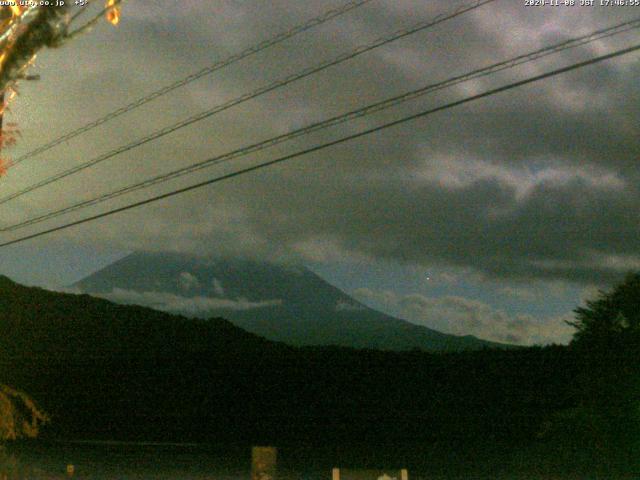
[
  {"x": 284, "y": 303},
  {"x": 105, "y": 371}
]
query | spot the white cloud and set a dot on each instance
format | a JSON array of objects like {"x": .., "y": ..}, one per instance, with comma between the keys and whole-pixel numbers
[
  {"x": 461, "y": 171},
  {"x": 535, "y": 291},
  {"x": 187, "y": 281},
  {"x": 463, "y": 316},
  {"x": 217, "y": 288},
  {"x": 348, "y": 306},
  {"x": 175, "y": 303},
  {"x": 620, "y": 263}
]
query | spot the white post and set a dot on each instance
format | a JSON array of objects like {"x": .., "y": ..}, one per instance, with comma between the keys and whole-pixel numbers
[{"x": 335, "y": 474}]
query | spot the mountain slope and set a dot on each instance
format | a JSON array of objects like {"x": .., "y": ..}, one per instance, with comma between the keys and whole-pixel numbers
[
  {"x": 280, "y": 303},
  {"x": 115, "y": 371},
  {"x": 109, "y": 371}
]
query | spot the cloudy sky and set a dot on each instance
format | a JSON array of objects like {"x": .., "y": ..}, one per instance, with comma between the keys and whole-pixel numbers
[{"x": 495, "y": 218}]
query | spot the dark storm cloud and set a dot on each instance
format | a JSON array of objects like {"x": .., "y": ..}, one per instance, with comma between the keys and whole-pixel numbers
[
  {"x": 562, "y": 230},
  {"x": 536, "y": 182}
]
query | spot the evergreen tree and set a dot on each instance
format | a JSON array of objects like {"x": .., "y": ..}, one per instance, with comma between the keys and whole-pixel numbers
[{"x": 613, "y": 317}]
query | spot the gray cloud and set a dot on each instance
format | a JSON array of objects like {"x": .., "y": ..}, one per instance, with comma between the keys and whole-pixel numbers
[
  {"x": 540, "y": 182},
  {"x": 218, "y": 289},
  {"x": 463, "y": 316},
  {"x": 187, "y": 281}
]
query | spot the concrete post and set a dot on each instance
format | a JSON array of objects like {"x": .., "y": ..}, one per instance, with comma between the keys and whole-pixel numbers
[{"x": 263, "y": 463}]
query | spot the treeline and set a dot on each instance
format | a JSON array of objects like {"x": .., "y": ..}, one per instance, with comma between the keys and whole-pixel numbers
[{"x": 119, "y": 372}]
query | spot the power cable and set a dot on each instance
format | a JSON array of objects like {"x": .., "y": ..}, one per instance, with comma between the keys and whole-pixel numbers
[
  {"x": 316, "y": 148},
  {"x": 309, "y": 24},
  {"x": 243, "y": 98},
  {"x": 361, "y": 112}
]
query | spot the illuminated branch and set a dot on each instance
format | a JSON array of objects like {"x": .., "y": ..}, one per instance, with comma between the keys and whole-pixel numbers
[
  {"x": 47, "y": 29},
  {"x": 20, "y": 417},
  {"x": 26, "y": 30}
]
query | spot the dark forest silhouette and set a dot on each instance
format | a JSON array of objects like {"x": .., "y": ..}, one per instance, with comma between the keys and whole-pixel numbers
[{"x": 122, "y": 372}]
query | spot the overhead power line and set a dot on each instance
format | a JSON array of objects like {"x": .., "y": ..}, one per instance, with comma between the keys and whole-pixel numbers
[
  {"x": 246, "y": 97},
  {"x": 309, "y": 24},
  {"x": 360, "y": 112},
  {"x": 322, "y": 146}
]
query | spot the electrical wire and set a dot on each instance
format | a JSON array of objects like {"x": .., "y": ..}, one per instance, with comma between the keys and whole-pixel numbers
[
  {"x": 309, "y": 24},
  {"x": 361, "y": 112},
  {"x": 319, "y": 147},
  {"x": 244, "y": 98}
]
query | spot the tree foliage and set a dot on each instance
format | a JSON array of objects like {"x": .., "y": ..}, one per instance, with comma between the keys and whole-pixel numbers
[
  {"x": 19, "y": 415},
  {"x": 612, "y": 317},
  {"x": 24, "y": 30}
]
